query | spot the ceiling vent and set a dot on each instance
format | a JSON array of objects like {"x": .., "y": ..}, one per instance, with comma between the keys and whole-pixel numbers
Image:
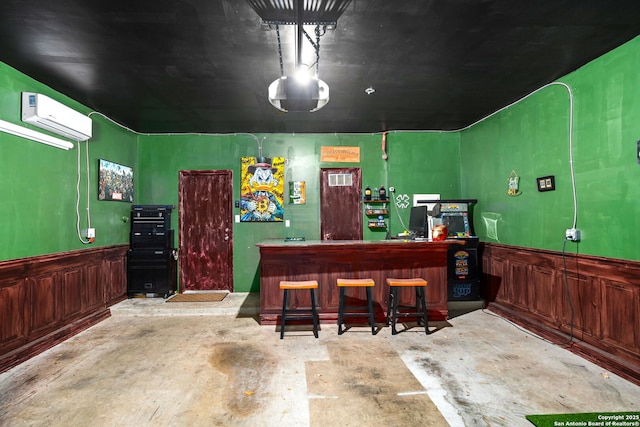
[{"x": 46, "y": 113}]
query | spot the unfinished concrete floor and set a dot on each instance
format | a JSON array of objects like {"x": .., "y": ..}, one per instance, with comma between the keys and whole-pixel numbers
[{"x": 212, "y": 364}]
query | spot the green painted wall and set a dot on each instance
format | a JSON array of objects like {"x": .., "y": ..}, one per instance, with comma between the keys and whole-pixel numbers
[
  {"x": 38, "y": 213},
  {"x": 532, "y": 138},
  {"x": 38, "y": 191},
  {"x": 417, "y": 163}
]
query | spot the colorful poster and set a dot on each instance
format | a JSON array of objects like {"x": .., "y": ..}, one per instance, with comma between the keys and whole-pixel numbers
[
  {"x": 262, "y": 189},
  {"x": 115, "y": 182}
]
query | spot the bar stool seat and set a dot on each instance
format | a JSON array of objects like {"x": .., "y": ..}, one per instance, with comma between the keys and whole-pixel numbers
[
  {"x": 419, "y": 311},
  {"x": 345, "y": 283},
  {"x": 298, "y": 313}
]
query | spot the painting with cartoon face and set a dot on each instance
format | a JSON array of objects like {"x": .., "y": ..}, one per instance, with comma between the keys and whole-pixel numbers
[{"x": 262, "y": 189}]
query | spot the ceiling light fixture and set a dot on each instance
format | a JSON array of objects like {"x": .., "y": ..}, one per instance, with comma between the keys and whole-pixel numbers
[
  {"x": 23, "y": 132},
  {"x": 287, "y": 94},
  {"x": 295, "y": 93}
]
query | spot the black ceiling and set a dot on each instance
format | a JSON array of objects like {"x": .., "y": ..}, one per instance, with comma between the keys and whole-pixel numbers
[{"x": 205, "y": 65}]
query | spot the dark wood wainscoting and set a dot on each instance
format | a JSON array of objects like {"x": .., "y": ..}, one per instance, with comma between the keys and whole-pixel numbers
[
  {"x": 593, "y": 310},
  {"x": 47, "y": 299}
]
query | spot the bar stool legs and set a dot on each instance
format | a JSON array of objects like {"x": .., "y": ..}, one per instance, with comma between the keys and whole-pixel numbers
[
  {"x": 367, "y": 284},
  {"x": 420, "y": 309},
  {"x": 298, "y": 314}
]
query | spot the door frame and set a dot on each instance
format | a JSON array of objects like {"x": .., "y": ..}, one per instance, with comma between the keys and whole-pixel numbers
[
  {"x": 356, "y": 192},
  {"x": 230, "y": 225}
]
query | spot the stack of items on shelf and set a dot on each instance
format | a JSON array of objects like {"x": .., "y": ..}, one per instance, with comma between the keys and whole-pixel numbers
[{"x": 376, "y": 208}]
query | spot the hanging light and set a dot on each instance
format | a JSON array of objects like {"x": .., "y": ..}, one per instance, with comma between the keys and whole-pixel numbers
[
  {"x": 302, "y": 92},
  {"x": 290, "y": 93}
]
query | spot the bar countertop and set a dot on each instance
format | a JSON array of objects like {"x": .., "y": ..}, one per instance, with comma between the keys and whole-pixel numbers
[
  {"x": 278, "y": 243},
  {"x": 328, "y": 260}
]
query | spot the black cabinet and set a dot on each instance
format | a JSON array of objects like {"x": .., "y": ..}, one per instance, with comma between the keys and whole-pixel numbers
[
  {"x": 151, "y": 260},
  {"x": 151, "y": 272}
]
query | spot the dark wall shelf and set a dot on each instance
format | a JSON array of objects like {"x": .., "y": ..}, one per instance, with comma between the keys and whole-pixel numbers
[{"x": 375, "y": 209}]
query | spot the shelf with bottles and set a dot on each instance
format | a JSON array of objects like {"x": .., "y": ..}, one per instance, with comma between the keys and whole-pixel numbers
[
  {"x": 375, "y": 208},
  {"x": 376, "y": 195}
]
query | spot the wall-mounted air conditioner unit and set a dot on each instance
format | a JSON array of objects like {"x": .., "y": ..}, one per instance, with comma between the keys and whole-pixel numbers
[{"x": 46, "y": 113}]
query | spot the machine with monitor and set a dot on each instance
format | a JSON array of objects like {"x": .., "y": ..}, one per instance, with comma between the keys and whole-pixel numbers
[
  {"x": 456, "y": 216},
  {"x": 463, "y": 274}
]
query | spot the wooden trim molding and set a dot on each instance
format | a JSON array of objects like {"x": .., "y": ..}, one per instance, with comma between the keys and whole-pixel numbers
[
  {"x": 590, "y": 305},
  {"x": 46, "y": 299}
]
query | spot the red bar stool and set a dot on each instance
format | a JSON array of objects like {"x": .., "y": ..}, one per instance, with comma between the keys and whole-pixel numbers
[
  {"x": 297, "y": 313},
  {"x": 367, "y": 284},
  {"x": 419, "y": 310}
]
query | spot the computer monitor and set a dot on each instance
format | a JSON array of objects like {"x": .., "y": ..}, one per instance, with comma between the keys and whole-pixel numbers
[{"x": 418, "y": 222}]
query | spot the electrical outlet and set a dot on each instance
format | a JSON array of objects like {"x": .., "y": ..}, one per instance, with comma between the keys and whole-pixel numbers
[
  {"x": 91, "y": 233},
  {"x": 572, "y": 234}
]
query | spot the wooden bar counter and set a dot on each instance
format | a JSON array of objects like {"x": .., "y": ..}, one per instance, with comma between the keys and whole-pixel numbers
[{"x": 327, "y": 260}]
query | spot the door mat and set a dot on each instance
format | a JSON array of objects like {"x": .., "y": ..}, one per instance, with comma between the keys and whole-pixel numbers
[{"x": 198, "y": 297}]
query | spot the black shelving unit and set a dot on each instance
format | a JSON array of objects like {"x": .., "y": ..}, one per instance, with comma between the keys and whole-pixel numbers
[{"x": 151, "y": 260}]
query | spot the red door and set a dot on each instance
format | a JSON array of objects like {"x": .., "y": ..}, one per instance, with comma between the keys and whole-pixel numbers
[
  {"x": 205, "y": 226},
  {"x": 340, "y": 204}
]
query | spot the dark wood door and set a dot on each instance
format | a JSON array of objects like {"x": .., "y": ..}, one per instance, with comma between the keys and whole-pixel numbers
[
  {"x": 206, "y": 230},
  {"x": 340, "y": 204}
]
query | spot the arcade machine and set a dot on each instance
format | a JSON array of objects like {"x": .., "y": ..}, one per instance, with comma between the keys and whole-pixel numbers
[{"x": 463, "y": 272}]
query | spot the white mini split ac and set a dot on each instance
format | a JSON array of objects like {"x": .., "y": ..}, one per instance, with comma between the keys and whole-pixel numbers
[{"x": 46, "y": 113}]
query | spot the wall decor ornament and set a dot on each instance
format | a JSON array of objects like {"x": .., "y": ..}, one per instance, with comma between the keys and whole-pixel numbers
[
  {"x": 262, "y": 188},
  {"x": 514, "y": 181},
  {"x": 297, "y": 193},
  {"x": 402, "y": 201}
]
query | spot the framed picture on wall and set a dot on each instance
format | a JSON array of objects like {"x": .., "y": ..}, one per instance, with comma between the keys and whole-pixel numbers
[
  {"x": 262, "y": 180},
  {"x": 115, "y": 182}
]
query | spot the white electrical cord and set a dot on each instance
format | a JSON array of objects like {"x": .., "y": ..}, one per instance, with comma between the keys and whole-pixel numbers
[
  {"x": 178, "y": 133},
  {"x": 573, "y": 176},
  {"x": 86, "y": 242},
  {"x": 397, "y": 209}
]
